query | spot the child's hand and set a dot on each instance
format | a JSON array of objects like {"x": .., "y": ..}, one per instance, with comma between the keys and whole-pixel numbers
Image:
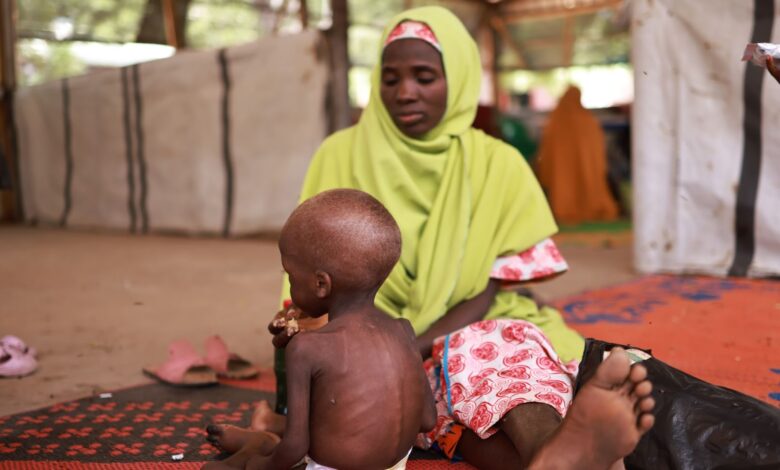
[
  {"x": 285, "y": 325},
  {"x": 772, "y": 67}
]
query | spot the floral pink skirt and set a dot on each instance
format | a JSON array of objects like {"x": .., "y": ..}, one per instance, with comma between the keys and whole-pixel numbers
[{"x": 482, "y": 371}]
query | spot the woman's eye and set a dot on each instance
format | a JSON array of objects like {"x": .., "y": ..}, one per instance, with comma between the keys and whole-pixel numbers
[{"x": 426, "y": 79}]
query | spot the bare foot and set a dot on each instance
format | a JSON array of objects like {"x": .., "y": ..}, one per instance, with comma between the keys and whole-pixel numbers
[
  {"x": 230, "y": 439},
  {"x": 606, "y": 419},
  {"x": 264, "y": 419},
  {"x": 258, "y": 444}
]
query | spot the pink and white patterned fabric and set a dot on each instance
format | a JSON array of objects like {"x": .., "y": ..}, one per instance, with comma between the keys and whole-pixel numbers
[
  {"x": 482, "y": 371},
  {"x": 413, "y": 30},
  {"x": 540, "y": 261}
]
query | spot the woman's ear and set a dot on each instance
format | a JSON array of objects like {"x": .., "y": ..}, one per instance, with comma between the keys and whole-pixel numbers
[{"x": 324, "y": 284}]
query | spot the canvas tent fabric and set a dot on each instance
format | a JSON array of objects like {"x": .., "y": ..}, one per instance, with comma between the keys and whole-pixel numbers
[
  {"x": 706, "y": 144},
  {"x": 207, "y": 142}
]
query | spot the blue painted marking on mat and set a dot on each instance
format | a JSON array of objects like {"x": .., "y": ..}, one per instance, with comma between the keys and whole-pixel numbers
[
  {"x": 631, "y": 307},
  {"x": 776, "y": 371},
  {"x": 587, "y": 312},
  {"x": 775, "y": 395}
]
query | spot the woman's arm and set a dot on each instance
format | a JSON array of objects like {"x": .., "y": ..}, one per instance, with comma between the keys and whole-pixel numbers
[{"x": 463, "y": 314}]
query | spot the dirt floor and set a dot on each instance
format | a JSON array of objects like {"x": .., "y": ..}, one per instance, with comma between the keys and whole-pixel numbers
[{"x": 99, "y": 307}]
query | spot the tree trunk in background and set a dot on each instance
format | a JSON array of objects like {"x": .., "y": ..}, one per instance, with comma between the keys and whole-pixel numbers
[
  {"x": 338, "y": 104},
  {"x": 152, "y": 28}
]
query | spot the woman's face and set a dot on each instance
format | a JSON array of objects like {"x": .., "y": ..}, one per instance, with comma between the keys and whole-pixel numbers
[{"x": 413, "y": 86}]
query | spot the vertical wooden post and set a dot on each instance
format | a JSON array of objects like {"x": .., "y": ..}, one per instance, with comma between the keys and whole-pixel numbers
[
  {"x": 304, "y": 12},
  {"x": 169, "y": 19},
  {"x": 10, "y": 201},
  {"x": 489, "y": 53},
  {"x": 340, "y": 112},
  {"x": 568, "y": 41}
]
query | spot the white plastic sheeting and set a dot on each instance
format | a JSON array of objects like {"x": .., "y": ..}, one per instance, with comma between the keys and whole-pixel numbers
[
  {"x": 689, "y": 138},
  {"x": 210, "y": 142}
]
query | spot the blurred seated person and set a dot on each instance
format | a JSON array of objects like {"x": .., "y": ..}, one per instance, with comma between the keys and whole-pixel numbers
[{"x": 572, "y": 164}]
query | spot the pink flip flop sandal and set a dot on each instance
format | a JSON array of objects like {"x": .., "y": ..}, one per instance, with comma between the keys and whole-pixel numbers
[
  {"x": 14, "y": 342},
  {"x": 14, "y": 362},
  {"x": 227, "y": 364},
  {"x": 184, "y": 367}
]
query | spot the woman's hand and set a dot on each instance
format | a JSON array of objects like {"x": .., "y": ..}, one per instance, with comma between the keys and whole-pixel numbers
[
  {"x": 463, "y": 314},
  {"x": 772, "y": 67}
]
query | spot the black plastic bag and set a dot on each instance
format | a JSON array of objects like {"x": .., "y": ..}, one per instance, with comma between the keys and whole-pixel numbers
[{"x": 698, "y": 425}]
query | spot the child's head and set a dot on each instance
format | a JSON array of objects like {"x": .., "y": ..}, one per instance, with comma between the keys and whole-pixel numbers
[{"x": 341, "y": 242}]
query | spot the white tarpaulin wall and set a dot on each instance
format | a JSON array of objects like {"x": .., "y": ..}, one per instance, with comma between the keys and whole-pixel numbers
[
  {"x": 213, "y": 142},
  {"x": 706, "y": 138}
]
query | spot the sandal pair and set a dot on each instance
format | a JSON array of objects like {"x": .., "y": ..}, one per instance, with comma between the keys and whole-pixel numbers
[
  {"x": 185, "y": 367},
  {"x": 16, "y": 358}
]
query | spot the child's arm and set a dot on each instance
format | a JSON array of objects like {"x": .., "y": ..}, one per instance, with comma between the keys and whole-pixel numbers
[
  {"x": 429, "y": 414},
  {"x": 295, "y": 443},
  {"x": 429, "y": 406}
]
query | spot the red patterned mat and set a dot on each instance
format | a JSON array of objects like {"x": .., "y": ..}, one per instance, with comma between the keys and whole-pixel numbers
[
  {"x": 139, "y": 428},
  {"x": 724, "y": 331}
]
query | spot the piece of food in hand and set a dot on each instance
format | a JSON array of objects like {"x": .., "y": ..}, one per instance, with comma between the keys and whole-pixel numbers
[
  {"x": 286, "y": 320},
  {"x": 292, "y": 327},
  {"x": 279, "y": 322},
  {"x": 757, "y": 52}
]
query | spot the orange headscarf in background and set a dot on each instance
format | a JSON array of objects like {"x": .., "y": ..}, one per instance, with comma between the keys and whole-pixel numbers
[{"x": 572, "y": 164}]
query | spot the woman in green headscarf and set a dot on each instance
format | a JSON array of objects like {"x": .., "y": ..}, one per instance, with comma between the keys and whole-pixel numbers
[
  {"x": 463, "y": 200},
  {"x": 472, "y": 218}
]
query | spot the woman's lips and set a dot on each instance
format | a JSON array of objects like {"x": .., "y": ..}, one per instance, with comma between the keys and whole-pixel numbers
[{"x": 410, "y": 118}]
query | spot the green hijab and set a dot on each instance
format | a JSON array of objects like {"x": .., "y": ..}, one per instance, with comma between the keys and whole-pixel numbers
[{"x": 461, "y": 198}]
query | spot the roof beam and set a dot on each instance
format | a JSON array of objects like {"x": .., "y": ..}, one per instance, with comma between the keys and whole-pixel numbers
[
  {"x": 524, "y": 10},
  {"x": 500, "y": 27}
]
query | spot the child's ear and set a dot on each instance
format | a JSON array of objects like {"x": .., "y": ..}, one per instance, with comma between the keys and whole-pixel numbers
[{"x": 324, "y": 284}]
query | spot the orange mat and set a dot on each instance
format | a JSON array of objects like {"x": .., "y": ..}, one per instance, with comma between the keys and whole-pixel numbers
[{"x": 724, "y": 331}]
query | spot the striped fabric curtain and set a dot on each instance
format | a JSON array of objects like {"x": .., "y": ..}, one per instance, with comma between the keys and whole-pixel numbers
[{"x": 210, "y": 142}]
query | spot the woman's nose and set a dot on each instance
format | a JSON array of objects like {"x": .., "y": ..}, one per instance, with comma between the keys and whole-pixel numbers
[{"x": 407, "y": 91}]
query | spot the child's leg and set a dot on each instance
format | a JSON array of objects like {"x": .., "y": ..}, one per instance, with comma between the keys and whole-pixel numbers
[
  {"x": 259, "y": 443},
  {"x": 494, "y": 453},
  {"x": 528, "y": 427},
  {"x": 523, "y": 432},
  {"x": 265, "y": 419}
]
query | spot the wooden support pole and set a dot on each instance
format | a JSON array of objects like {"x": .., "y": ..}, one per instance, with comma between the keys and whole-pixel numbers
[
  {"x": 304, "y": 12},
  {"x": 568, "y": 41},
  {"x": 520, "y": 14},
  {"x": 339, "y": 107},
  {"x": 278, "y": 16},
  {"x": 169, "y": 16},
  {"x": 10, "y": 200},
  {"x": 489, "y": 53}
]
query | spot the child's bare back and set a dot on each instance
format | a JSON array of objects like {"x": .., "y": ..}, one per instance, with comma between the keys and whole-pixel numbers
[
  {"x": 368, "y": 390},
  {"x": 357, "y": 394}
]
